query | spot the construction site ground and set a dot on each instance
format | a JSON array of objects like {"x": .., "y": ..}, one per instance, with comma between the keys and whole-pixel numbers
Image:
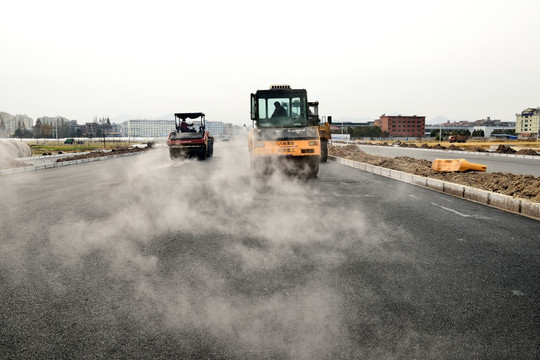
[{"x": 525, "y": 187}]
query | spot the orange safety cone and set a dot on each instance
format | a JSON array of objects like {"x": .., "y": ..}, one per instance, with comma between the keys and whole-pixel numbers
[{"x": 450, "y": 165}]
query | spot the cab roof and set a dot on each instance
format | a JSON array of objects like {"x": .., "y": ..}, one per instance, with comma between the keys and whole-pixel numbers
[{"x": 184, "y": 116}]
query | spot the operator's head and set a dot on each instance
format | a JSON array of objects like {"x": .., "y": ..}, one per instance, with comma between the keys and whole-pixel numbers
[{"x": 276, "y": 104}]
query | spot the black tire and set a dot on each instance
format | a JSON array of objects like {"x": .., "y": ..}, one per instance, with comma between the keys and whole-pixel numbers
[
  {"x": 307, "y": 167},
  {"x": 324, "y": 150},
  {"x": 211, "y": 148},
  {"x": 174, "y": 153},
  {"x": 202, "y": 154},
  {"x": 313, "y": 169}
]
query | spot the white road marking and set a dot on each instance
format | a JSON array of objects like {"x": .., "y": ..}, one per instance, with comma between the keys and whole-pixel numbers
[
  {"x": 458, "y": 213},
  {"x": 354, "y": 195},
  {"x": 518, "y": 293}
]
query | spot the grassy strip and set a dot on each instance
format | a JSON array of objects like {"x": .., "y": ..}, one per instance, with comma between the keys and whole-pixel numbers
[{"x": 40, "y": 149}]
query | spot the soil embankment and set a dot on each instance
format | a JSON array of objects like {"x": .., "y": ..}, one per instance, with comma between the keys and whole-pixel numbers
[{"x": 519, "y": 186}]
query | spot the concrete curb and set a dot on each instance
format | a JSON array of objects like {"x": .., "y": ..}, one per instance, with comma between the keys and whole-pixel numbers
[
  {"x": 22, "y": 169},
  {"x": 499, "y": 201}
]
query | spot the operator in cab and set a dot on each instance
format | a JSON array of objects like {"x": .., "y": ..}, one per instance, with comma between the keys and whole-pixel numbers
[
  {"x": 185, "y": 127},
  {"x": 279, "y": 110}
]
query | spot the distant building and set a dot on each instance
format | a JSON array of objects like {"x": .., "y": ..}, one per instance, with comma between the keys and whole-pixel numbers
[
  {"x": 6, "y": 123},
  {"x": 344, "y": 125},
  {"x": 227, "y": 129},
  {"x": 24, "y": 121},
  {"x": 528, "y": 122},
  {"x": 216, "y": 128},
  {"x": 9, "y": 123},
  {"x": 162, "y": 128},
  {"x": 446, "y": 128},
  {"x": 402, "y": 126},
  {"x": 239, "y": 131},
  {"x": 90, "y": 129},
  {"x": 57, "y": 126},
  {"x": 456, "y": 124},
  {"x": 147, "y": 128},
  {"x": 53, "y": 121},
  {"x": 486, "y": 125}
]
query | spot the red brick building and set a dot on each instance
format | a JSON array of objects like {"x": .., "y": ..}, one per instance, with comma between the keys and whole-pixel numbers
[{"x": 403, "y": 126}]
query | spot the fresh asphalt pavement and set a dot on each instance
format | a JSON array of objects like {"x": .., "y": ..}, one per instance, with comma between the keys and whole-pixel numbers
[{"x": 141, "y": 257}]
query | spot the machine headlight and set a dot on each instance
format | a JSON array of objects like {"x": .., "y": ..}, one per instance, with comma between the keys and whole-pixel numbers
[{"x": 314, "y": 143}]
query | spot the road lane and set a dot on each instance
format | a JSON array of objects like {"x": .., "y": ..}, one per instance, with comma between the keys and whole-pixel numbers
[
  {"x": 143, "y": 258},
  {"x": 514, "y": 165}
]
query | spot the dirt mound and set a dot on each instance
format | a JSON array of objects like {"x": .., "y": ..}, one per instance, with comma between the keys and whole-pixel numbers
[
  {"x": 455, "y": 148},
  {"x": 503, "y": 149},
  {"x": 527, "y": 152},
  {"x": 345, "y": 151},
  {"x": 519, "y": 186},
  {"x": 478, "y": 149},
  {"x": 438, "y": 146}
]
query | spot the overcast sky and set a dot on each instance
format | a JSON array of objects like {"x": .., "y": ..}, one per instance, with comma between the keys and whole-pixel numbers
[{"x": 462, "y": 59}]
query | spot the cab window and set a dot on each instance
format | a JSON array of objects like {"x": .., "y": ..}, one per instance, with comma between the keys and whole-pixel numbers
[{"x": 282, "y": 112}]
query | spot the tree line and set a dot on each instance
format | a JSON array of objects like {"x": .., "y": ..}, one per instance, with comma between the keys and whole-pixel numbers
[
  {"x": 62, "y": 130},
  {"x": 364, "y": 132}
]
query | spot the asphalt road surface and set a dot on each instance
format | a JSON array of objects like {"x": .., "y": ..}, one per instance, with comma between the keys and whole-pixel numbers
[
  {"x": 144, "y": 258},
  {"x": 514, "y": 165}
]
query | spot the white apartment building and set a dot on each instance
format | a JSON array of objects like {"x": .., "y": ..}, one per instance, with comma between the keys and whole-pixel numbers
[
  {"x": 24, "y": 120},
  {"x": 147, "y": 128},
  {"x": 216, "y": 128},
  {"x": 57, "y": 123},
  {"x": 53, "y": 120},
  {"x": 11, "y": 122},
  {"x": 162, "y": 128},
  {"x": 528, "y": 122}
]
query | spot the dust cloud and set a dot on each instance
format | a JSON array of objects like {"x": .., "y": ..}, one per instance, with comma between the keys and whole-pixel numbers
[
  {"x": 10, "y": 150},
  {"x": 200, "y": 256}
]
